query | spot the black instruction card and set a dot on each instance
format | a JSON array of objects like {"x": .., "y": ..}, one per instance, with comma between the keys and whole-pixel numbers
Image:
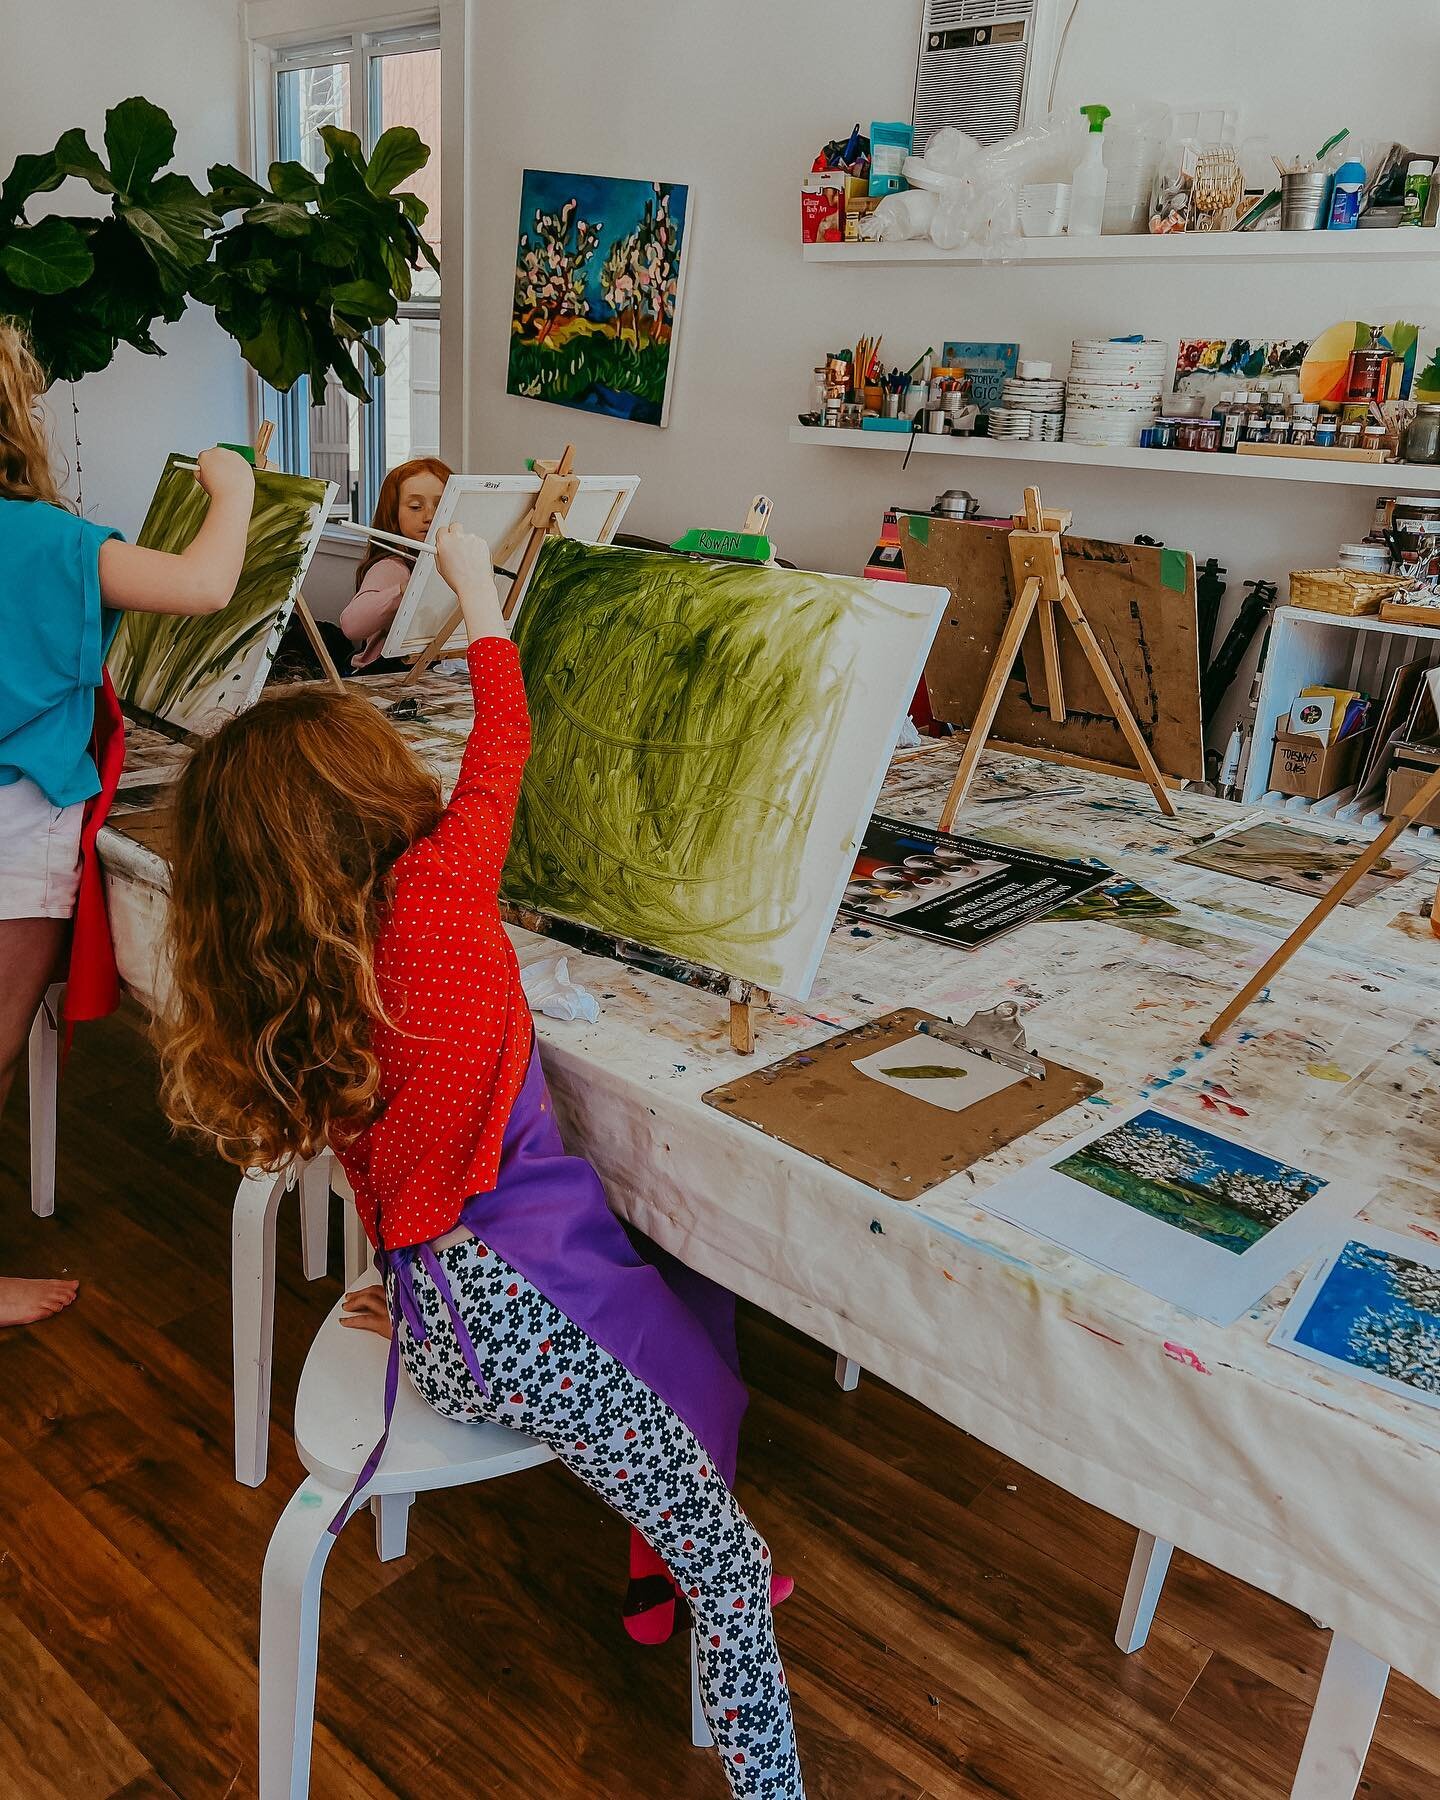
[{"x": 956, "y": 890}]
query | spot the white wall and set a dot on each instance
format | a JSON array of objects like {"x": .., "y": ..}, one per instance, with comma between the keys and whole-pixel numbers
[
  {"x": 66, "y": 61},
  {"x": 735, "y": 98}
]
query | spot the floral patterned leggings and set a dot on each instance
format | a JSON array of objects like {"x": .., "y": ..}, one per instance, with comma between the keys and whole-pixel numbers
[{"x": 546, "y": 1377}]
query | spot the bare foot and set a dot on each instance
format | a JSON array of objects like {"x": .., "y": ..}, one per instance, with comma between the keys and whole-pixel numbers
[
  {"x": 365, "y": 1310},
  {"x": 27, "y": 1302}
]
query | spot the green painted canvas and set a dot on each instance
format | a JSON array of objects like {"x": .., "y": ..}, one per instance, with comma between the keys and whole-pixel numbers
[
  {"x": 196, "y": 672},
  {"x": 709, "y": 741}
]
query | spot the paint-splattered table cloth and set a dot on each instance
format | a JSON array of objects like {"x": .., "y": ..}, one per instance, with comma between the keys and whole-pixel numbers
[{"x": 1320, "y": 1489}]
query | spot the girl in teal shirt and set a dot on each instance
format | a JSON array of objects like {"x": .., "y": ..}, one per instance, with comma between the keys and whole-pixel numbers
[{"x": 63, "y": 583}]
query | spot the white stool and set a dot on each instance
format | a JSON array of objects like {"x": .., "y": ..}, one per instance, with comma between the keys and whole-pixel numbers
[
  {"x": 44, "y": 1080},
  {"x": 252, "y": 1286},
  {"x": 338, "y": 1418}
]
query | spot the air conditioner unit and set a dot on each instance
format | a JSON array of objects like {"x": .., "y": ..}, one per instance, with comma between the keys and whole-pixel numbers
[{"x": 985, "y": 65}]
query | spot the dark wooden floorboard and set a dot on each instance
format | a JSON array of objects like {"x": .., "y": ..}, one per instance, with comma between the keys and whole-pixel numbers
[{"x": 951, "y": 1638}]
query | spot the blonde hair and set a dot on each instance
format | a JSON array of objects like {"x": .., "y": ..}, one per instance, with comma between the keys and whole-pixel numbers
[
  {"x": 288, "y": 822},
  {"x": 25, "y": 472}
]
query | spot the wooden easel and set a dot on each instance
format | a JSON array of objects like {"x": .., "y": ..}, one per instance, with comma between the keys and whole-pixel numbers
[
  {"x": 302, "y": 605},
  {"x": 1038, "y": 575},
  {"x": 1363, "y": 863},
  {"x": 545, "y": 518}
]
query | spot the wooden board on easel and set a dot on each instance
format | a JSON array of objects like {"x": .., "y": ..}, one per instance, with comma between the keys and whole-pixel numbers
[
  {"x": 818, "y": 1102},
  {"x": 1140, "y": 602}
]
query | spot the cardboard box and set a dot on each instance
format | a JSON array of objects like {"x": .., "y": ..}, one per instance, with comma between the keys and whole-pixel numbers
[
  {"x": 1308, "y": 767},
  {"x": 824, "y": 199},
  {"x": 1414, "y": 765}
]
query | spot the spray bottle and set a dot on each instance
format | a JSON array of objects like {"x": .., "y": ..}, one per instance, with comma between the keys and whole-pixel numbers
[{"x": 1087, "y": 185}]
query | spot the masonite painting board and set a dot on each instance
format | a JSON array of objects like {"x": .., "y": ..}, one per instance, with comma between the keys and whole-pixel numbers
[
  {"x": 490, "y": 506},
  {"x": 1370, "y": 1308},
  {"x": 709, "y": 738},
  {"x": 939, "y": 1073},
  {"x": 599, "y": 280},
  {"x": 1302, "y": 862},
  {"x": 818, "y": 1102},
  {"x": 1200, "y": 1220},
  {"x": 1139, "y": 600},
  {"x": 195, "y": 673}
]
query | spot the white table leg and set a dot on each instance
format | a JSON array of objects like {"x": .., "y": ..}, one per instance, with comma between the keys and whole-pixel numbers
[
  {"x": 392, "y": 1524},
  {"x": 700, "y": 1735},
  {"x": 357, "y": 1245},
  {"x": 44, "y": 1083},
  {"x": 1342, "y": 1723},
  {"x": 315, "y": 1217},
  {"x": 1148, "y": 1568},
  {"x": 252, "y": 1318},
  {"x": 847, "y": 1373},
  {"x": 290, "y": 1637}
]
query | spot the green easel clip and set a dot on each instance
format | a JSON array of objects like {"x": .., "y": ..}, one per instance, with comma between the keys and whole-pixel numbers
[
  {"x": 731, "y": 546},
  {"x": 245, "y": 450}
]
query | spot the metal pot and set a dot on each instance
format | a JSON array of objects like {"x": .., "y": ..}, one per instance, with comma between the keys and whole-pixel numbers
[{"x": 955, "y": 503}]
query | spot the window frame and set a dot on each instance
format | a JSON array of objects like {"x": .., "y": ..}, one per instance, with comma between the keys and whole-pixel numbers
[{"x": 361, "y": 43}]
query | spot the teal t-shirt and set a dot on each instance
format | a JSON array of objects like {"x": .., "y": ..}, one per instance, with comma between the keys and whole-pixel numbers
[{"x": 54, "y": 635}]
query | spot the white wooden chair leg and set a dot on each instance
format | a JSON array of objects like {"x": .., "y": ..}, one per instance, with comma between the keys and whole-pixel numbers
[
  {"x": 1342, "y": 1723},
  {"x": 289, "y": 1639},
  {"x": 1148, "y": 1568},
  {"x": 315, "y": 1217},
  {"x": 252, "y": 1318},
  {"x": 700, "y": 1735},
  {"x": 44, "y": 1085},
  {"x": 847, "y": 1373},
  {"x": 357, "y": 1246},
  {"x": 392, "y": 1524}
]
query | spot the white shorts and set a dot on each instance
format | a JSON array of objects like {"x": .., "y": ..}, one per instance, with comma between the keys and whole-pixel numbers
[{"x": 39, "y": 853}]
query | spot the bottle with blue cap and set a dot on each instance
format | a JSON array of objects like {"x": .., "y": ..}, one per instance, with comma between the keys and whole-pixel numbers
[
  {"x": 1345, "y": 196},
  {"x": 1087, "y": 185}
]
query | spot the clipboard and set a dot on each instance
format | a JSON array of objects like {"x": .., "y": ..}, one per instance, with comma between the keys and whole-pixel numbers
[{"x": 818, "y": 1102}]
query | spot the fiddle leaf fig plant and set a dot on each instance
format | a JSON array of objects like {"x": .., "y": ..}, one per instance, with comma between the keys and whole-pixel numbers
[{"x": 307, "y": 267}]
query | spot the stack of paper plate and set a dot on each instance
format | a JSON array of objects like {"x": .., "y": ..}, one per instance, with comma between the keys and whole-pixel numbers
[
  {"x": 1035, "y": 396},
  {"x": 1009, "y": 422},
  {"x": 1113, "y": 389}
]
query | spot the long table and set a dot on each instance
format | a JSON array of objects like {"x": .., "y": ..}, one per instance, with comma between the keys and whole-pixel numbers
[{"x": 1317, "y": 1488}]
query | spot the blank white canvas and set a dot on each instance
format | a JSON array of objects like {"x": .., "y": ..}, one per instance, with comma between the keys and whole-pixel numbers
[
  {"x": 973, "y": 1078},
  {"x": 1175, "y": 1265},
  {"x": 490, "y": 506}
]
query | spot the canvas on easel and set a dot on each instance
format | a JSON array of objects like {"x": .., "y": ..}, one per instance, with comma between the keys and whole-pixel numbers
[
  {"x": 193, "y": 673},
  {"x": 1140, "y": 604},
  {"x": 494, "y": 507}
]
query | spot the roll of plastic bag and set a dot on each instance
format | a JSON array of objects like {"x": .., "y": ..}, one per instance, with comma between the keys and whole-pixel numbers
[
  {"x": 949, "y": 149},
  {"x": 900, "y": 216}
]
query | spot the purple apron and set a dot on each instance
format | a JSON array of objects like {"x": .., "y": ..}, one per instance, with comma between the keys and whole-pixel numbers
[{"x": 548, "y": 1217}]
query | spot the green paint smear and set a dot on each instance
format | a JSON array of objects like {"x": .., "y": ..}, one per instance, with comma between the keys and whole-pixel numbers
[
  {"x": 168, "y": 665},
  {"x": 684, "y": 713},
  {"x": 926, "y": 1072},
  {"x": 919, "y": 524},
  {"x": 1174, "y": 570}
]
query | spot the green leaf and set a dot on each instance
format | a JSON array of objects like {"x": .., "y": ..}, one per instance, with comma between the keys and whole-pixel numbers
[
  {"x": 47, "y": 258},
  {"x": 282, "y": 217},
  {"x": 280, "y": 351},
  {"x": 366, "y": 301},
  {"x": 397, "y": 155},
  {"x": 343, "y": 146},
  {"x": 73, "y": 156},
  {"x": 293, "y": 181},
  {"x": 29, "y": 175},
  {"x": 139, "y": 140},
  {"x": 232, "y": 187},
  {"x": 172, "y": 220}
]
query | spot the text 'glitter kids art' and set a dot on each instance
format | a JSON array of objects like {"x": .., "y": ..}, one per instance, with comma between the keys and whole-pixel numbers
[{"x": 599, "y": 275}]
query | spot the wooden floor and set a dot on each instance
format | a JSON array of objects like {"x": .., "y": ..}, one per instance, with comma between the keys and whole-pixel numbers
[{"x": 951, "y": 1636}]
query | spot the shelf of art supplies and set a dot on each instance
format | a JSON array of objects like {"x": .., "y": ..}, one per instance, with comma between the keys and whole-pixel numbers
[
  {"x": 1178, "y": 246},
  {"x": 1419, "y": 478},
  {"x": 1331, "y": 650}
]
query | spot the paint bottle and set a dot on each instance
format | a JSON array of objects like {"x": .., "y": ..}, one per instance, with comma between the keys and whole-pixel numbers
[
  {"x": 1418, "y": 176},
  {"x": 1233, "y": 423},
  {"x": 1345, "y": 196}
]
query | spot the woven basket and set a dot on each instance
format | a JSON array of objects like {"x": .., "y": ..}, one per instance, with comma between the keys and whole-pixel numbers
[{"x": 1348, "y": 591}]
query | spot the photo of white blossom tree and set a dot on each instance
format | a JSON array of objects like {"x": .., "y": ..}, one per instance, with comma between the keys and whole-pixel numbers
[
  {"x": 1380, "y": 1312},
  {"x": 1190, "y": 1178}
]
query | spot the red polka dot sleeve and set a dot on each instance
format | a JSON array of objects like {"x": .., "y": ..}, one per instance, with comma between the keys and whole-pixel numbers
[{"x": 454, "y": 1056}]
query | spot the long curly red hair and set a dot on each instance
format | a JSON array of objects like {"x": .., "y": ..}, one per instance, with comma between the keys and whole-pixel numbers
[{"x": 288, "y": 822}]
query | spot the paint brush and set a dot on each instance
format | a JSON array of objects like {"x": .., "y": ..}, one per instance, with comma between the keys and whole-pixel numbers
[{"x": 385, "y": 537}]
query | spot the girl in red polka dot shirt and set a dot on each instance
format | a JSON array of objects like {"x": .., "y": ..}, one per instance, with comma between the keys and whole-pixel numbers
[{"x": 342, "y": 978}]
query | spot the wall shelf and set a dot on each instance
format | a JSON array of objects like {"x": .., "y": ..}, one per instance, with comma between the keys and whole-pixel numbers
[
  {"x": 1339, "y": 247},
  {"x": 1413, "y": 478}
]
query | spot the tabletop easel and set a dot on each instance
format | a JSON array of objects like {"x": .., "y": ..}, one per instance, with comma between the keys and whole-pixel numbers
[
  {"x": 302, "y": 605},
  {"x": 544, "y": 518},
  {"x": 1037, "y": 569},
  {"x": 1417, "y": 803}
]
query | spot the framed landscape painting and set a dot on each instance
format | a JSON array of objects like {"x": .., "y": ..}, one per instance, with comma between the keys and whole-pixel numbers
[{"x": 599, "y": 272}]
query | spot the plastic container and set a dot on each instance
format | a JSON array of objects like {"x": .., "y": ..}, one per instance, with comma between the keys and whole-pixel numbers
[
  {"x": 1418, "y": 176},
  {"x": 1044, "y": 208},
  {"x": 1373, "y": 559},
  {"x": 1087, "y": 187},
  {"x": 1345, "y": 196}
]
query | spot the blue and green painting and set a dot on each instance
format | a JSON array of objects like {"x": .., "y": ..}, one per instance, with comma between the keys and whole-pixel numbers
[
  {"x": 598, "y": 274},
  {"x": 1185, "y": 1176},
  {"x": 1381, "y": 1313}
]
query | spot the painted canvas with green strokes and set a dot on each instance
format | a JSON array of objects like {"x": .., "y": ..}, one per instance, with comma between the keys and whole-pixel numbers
[{"x": 709, "y": 739}]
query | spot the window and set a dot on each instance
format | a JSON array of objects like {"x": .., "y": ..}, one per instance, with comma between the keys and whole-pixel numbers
[{"x": 365, "y": 82}]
